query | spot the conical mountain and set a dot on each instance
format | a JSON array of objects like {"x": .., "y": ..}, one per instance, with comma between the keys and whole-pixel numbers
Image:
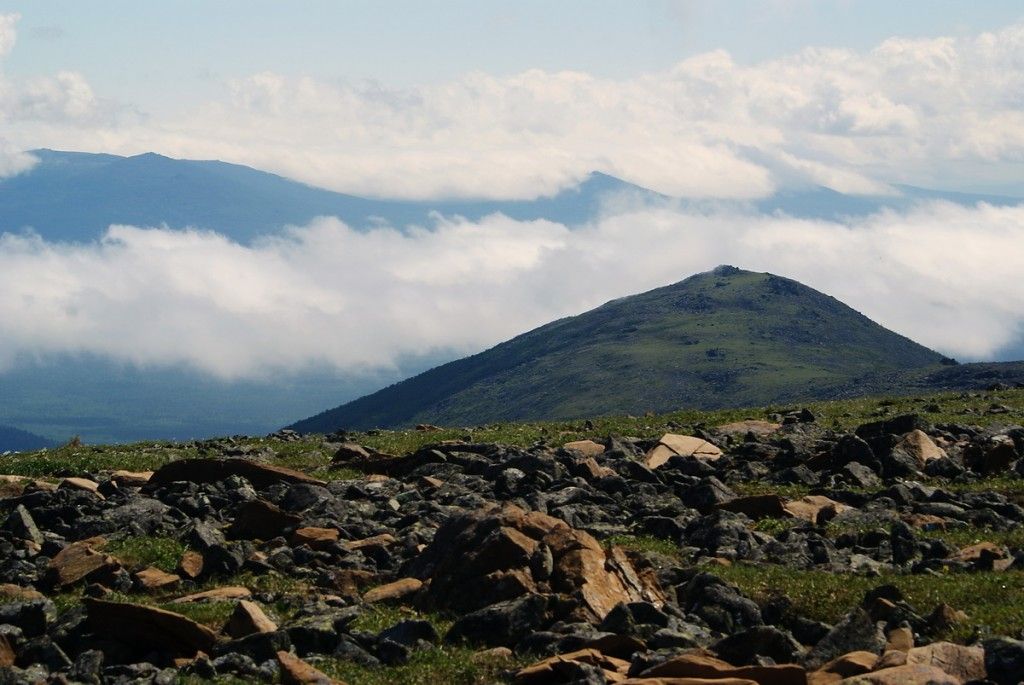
[{"x": 723, "y": 338}]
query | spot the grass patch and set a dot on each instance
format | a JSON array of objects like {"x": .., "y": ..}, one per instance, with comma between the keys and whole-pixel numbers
[
  {"x": 380, "y": 617},
  {"x": 644, "y": 543},
  {"x": 994, "y": 601},
  {"x": 163, "y": 553},
  {"x": 455, "y": 665}
]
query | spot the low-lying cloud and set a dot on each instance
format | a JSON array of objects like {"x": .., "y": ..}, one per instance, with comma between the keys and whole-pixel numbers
[{"x": 947, "y": 276}]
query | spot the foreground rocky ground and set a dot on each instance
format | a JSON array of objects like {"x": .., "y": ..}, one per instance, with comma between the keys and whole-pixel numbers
[{"x": 869, "y": 542}]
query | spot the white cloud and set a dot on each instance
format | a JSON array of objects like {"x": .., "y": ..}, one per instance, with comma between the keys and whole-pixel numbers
[
  {"x": 8, "y": 32},
  {"x": 944, "y": 275},
  {"x": 937, "y": 111}
]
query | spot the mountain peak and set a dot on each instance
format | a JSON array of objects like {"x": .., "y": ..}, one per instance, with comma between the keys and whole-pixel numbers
[{"x": 726, "y": 337}]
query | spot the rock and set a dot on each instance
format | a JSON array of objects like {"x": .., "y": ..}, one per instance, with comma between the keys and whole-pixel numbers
[
  {"x": 904, "y": 675},
  {"x": 216, "y": 470},
  {"x": 219, "y": 594},
  {"x": 131, "y": 479},
  {"x": 9, "y": 592},
  {"x": 671, "y": 445},
  {"x": 485, "y": 557},
  {"x": 1004, "y": 660},
  {"x": 984, "y": 555},
  {"x": 295, "y": 671},
  {"x": 900, "y": 639},
  {"x": 857, "y": 632},
  {"x": 314, "y": 538},
  {"x": 845, "y": 666},
  {"x": 562, "y": 668},
  {"x": 151, "y": 578},
  {"x": 7, "y": 653},
  {"x": 587, "y": 448},
  {"x": 815, "y": 508},
  {"x": 758, "y": 506},
  {"x": 382, "y": 540},
  {"x": 82, "y": 484},
  {"x": 149, "y": 628},
  {"x": 80, "y": 561},
  {"x": 248, "y": 618},
  {"x": 259, "y": 647},
  {"x": 389, "y": 592},
  {"x": 708, "y": 495},
  {"x": 918, "y": 445},
  {"x": 261, "y": 520},
  {"x": 746, "y": 647},
  {"x": 411, "y": 633},
  {"x": 502, "y": 623},
  {"x": 33, "y": 618},
  {"x": 990, "y": 459},
  {"x": 191, "y": 564},
  {"x": 758, "y": 428},
  {"x": 716, "y": 670},
  {"x": 350, "y": 451},
  {"x": 965, "y": 663},
  {"x": 944, "y": 617},
  {"x": 21, "y": 525}
]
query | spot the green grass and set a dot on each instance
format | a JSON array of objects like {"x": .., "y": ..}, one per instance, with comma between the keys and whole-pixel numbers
[
  {"x": 987, "y": 597},
  {"x": 163, "y": 553},
  {"x": 644, "y": 543},
  {"x": 449, "y": 665}
]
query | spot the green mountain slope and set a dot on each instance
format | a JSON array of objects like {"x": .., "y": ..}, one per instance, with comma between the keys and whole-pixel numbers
[
  {"x": 17, "y": 440},
  {"x": 719, "y": 339}
]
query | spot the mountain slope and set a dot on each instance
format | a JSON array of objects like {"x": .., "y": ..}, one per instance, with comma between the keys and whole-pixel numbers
[
  {"x": 723, "y": 338},
  {"x": 75, "y": 196},
  {"x": 16, "y": 440}
]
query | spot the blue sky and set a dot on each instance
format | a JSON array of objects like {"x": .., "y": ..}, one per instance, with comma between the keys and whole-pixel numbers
[{"x": 167, "y": 54}]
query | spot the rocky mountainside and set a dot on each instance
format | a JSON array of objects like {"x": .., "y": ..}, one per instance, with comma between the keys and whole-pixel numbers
[
  {"x": 724, "y": 338},
  {"x": 776, "y": 550}
]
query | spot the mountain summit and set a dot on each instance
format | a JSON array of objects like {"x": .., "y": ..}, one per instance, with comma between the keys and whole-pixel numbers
[{"x": 724, "y": 338}]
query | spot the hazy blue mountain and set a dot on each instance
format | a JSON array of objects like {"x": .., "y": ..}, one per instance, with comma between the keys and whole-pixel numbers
[
  {"x": 16, "y": 440},
  {"x": 75, "y": 196},
  {"x": 725, "y": 338}
]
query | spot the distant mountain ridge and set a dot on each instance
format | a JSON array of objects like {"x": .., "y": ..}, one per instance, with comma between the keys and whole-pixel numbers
[
  {"x": 75, "y": 196},
  {"x": 719, "y": 339},
  {"x": 16, "y": 440}
]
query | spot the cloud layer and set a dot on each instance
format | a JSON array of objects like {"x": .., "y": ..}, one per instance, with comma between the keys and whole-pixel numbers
[
  {"x": 326, "y": 294},
  {"x": 925, "y": 111}
]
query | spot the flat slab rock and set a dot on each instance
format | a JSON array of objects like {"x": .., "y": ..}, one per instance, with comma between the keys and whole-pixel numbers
[
  {"x": 672, "y": 445},
  {"x": 215, "y": 470},
  {"x": 147, "y": 627}
]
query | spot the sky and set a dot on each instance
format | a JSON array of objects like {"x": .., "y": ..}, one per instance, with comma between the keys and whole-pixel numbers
[{"x": 711, "y": 100}]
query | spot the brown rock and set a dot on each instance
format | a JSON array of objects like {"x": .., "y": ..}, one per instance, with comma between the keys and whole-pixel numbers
[
  {"x": 587, "y": 448},
  {"x": 191, "y": 564},
  {"x": 482, "y": 557},
  {"x": 12, "y": 486},
  {"x": 944, "y": 616},
  {"x": 382, "y": 540},
  {"x": 992, "y": 459},
  {"x": 704, "y": 666},
  {"x": 758, "y": 506},
  {"x": 131, "y": 479},
  {"x": 965, "y": 663},
  {"x": 429, "y": 482},
  {"x": 83, "y": 484},
  {"x": 901, "y": 639},
  {"x": 984, "y": 555},
  {"x": 672, "y": 445},
  {"x": 890, "y": 659},
  {"x": 492, "y": 655},
  {"x": 904, "y": 675},
  {"x": 348, "y": 451},
  {"x": 16, "y": 593},
  {"x": 7, "y": 654},
  {"x": 349, "y": 581},
  {"x": 845, "y": 666},
  {"x": 811, "y": 508},
  {"x": 314, "y": 538},
  {"x": 924, "y": 521},
  {"x": 590, "y": 469},
  {"x": 295, "y": 671},
  {"x": 216, "y": 470},
  {"x": 759, "y": 428},
  {"x": 79, "y": 561},
  {"x": 247, "y": 619},
  {"x": 149, "y": 628},
  {"x": 261, "y": 520},
  {"x": 686, "y": 681},
  {"x": 219, "y": 594},
  {"x": 154, "y": 579},
  {"x": 555, "y": 668},
  {"x": 393, "y": 591},
  {"x": 918, "y": 445}
]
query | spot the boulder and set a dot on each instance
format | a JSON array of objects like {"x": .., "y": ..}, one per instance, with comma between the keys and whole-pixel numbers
[
  {"x": 261, "y": 520},
  {"x": 80, "y": 561},
  {"x": 493, "y": 555},
  {"x": 909, "y": 674},
  {"x": 295, "y": 671},
  {"x": 704, "y": 666},
  {"x": 845, "y": 666},
  {"x": 587, "y": 448},
  {"x": 671, "y": 445},
  {"x": 218, "y": 594},
  {"x": 191, "y": 564},
  {"x": 965, "y": 663},
  {"x": 22, "y": 526},
  {"x": 82, "y": 485},
  {"x": 152, "y": 578},
  {"x": 758, "y": 506},
  {"x": 1004, "y": 660},
  {"x": 857, "y": 632},
  {"x": 922, "y": 448},
  {"x": 148, "y": 628},
  {"x": 562, "y": 668},
  {"x": 815, "y": 508},
  {"x": 397, "y": 590},
  {"x": 217, "y": 469},
  {"x": 314, "y": 538},
  {"x": 248, "y": 618}
]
